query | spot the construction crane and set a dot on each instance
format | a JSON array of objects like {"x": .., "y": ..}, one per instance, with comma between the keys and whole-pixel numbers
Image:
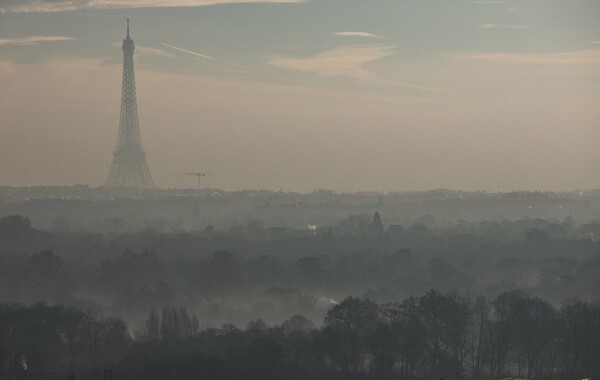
[{"x": 199, "y": 175}]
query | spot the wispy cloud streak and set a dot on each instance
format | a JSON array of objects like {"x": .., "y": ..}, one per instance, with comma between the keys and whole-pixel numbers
[
  {"x": 208, "y": 60},
  {"x": 189, "y": 51},
  {"x": 584, "y": 57},
  {"x": 358, "y": 34},
  {"x": 32, "y": 40},
  {"x": 150, "y": 51},
  {"x": 24, "y": 6},
  {"x": 347, "y": 61}
]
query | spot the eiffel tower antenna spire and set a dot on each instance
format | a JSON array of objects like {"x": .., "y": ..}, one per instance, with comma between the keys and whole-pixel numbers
[{"x": 129, "y": 167}]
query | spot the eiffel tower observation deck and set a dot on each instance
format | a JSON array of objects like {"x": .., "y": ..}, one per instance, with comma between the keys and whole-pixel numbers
[{"x": 129, "y": 167}]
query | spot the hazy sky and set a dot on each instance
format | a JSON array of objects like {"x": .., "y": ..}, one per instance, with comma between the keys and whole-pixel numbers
[{"x": 297, "y": 95}]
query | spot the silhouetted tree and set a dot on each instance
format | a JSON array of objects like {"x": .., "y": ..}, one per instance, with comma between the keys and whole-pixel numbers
[
  {"x": 14, "y": 224},
  {"x": 220, "y": 276},
  {"x": 578, "y": 341},
  {"x": 350, "y": 323},
  {"x": 480, "y": 333},
  {"x": 153, "y": 326}
]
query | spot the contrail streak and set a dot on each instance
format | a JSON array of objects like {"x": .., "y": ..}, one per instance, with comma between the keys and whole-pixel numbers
[
  {"x": 207, "y": 59},
  {"x": 189, "y": 52}
]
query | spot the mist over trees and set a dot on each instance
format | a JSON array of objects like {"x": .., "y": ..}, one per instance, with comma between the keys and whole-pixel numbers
[
  {"x": 318, "y": 286},
  {"x": 435, "y": 335}
]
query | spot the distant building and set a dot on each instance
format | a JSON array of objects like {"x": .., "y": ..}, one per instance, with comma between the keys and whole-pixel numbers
[{"x": 129, "y": 167}]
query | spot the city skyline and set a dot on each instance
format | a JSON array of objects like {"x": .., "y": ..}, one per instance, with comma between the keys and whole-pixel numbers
[{"x": 299, "y": 95}]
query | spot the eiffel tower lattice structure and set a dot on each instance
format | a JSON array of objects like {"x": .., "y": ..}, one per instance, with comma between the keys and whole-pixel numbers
[{"x": 129, "y": 167}]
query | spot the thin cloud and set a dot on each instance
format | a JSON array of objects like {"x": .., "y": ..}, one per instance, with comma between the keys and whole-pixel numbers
[
  {"x": 147, "y": 51},
  {"x": 208, "y": 60},
  {"x": 358, "y": 34},
  {"x": 189, "y": 52},
  {"x": 486, "y": 2},
  {"x": 150, "y": 51},
  {"x": 32, "y": 40},
  {"x": 501, "y": 26},
  {"x": 595, "y": 42},
  {"x": 347, "y": 61},
  {"x": 40, "y": 6},
  {"x": 575, "y": 58}
]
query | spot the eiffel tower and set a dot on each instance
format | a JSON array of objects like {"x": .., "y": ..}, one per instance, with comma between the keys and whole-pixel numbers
[{"x": 129, "y": 167}]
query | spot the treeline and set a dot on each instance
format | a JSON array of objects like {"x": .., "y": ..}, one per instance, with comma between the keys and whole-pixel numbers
[
  {"x": 437, "y": 335},
  {"x": 47, "y": 342},
  {"x": 131, "y": 210},
  {"x": 271, "y": 278}
]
